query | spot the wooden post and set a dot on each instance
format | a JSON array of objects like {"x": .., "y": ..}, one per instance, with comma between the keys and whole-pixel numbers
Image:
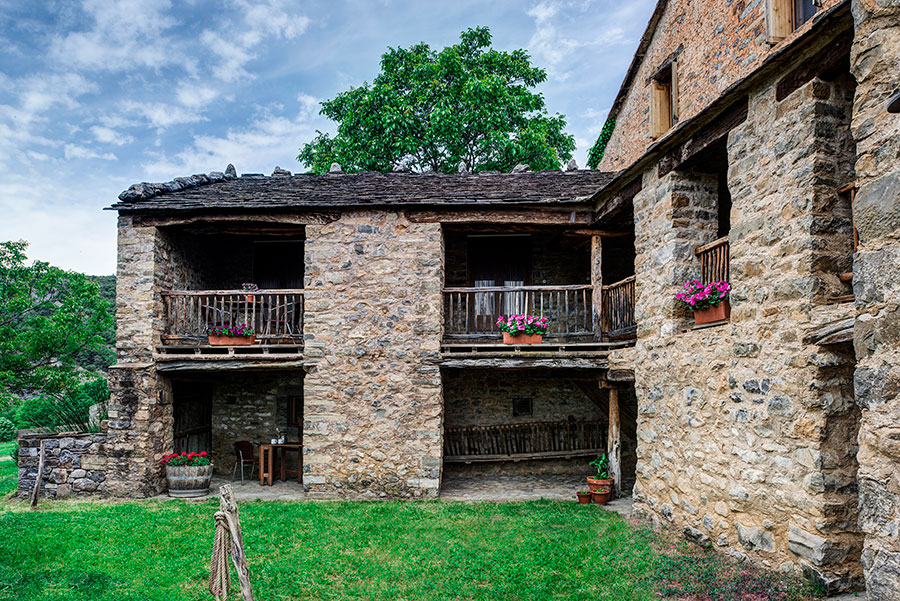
[
  {"x": 228, "y": 506},
  {"x": 37, "y": 480},
  {"x": 597, "y": 285},
  {"x": 613, "y": 442}
]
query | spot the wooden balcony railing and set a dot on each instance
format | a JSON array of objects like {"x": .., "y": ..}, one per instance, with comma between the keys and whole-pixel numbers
[
  {"x": 714, "y": 261},
  {"x": 471, "y": 312},
  {"x": 618, "y": 309},
  {"x": 532, "y": 440},
  {"x": 275, "y": 315}
]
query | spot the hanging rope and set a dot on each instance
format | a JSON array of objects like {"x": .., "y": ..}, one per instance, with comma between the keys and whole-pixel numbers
[{"x": 218, "y": 566}]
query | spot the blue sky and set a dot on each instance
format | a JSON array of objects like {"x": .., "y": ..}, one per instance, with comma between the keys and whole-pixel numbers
[{"x": 98, "y": 94}]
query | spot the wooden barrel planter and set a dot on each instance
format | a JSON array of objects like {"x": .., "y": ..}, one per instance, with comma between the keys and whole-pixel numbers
[{"x": 186, "y": 481}]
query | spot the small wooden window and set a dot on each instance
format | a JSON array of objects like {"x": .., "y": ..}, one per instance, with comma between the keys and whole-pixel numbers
[
  {"x": 784, "y": 16},
  {"x": 522, "y": 407},
  {"x": 295, "y": 411},
  {"x": 663, "y": 100}
]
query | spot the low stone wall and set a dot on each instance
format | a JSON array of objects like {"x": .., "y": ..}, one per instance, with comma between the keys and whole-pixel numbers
[{"x": 74, "y": 464}]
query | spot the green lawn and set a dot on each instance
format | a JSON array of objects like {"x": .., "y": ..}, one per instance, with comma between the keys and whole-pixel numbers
[
  {"x": 144, "y": 551},
  {"x": 5, "y": 449}
]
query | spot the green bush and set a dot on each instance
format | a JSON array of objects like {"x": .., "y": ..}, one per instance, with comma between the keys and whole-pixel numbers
[
  {"x": 68, "y": 413},
  {"x": 7, "y": 430}
]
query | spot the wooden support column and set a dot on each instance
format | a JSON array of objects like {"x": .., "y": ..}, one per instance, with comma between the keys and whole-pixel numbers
[
  {"x": 613, "y": 441},
  {"x": 597, "y": 285}
]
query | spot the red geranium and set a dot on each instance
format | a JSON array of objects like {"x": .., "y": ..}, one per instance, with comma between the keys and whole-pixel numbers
[{"x": 192, "y": 458}]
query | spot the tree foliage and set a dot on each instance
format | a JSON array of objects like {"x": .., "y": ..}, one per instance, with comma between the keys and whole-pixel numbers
[
  {"x": 48, "y": 318},
  {"x": 432, "y": 111}
]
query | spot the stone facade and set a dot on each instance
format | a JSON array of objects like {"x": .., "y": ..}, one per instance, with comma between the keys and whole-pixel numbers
[
  {"x": 373, "y": 403},
  {"x": 768, "y": 423},
  {"x": 74, "y": 464},
  {"x": 876, "y": 283}
]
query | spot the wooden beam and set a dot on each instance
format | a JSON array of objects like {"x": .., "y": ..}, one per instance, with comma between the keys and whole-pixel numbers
[
  {"x": 522, "y": 456},
  {"x": 37, "y": 480},
  {"x": 597, "y": 286},
  {"x": 619, "y": 203},
  {"x": 831, "y": 61},
  {"x": 535, "y": 216},
  {"x": 706, "y": 137},
  {"x": 269, "y": 220},
  {"x": 597, "y": 364},
  {"x": 613, "y": 441},
  {"x": 166, "y": 364}
]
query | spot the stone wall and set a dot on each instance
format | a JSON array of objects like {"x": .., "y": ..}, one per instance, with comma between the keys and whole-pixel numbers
[
  {"x": 74, "y": 464},
  {"x": 373, "y": 403},
  {"x": 747, "y": 436},
  {"x": 876, "y": 283},
  {"x": 720, "y": 43}
]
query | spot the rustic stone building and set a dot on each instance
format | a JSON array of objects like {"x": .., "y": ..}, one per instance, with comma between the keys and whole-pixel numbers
[
  {"x": 751, "y": 143},
  {"x": 746, "y": 146}
]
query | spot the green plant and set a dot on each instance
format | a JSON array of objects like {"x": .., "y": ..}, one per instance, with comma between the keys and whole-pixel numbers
[
  {"x": 232, "y": 331},
  {"x": 523, "y": 324},
  {"x": 7, "y": 430},
  {"x": 601, "y": 464},
  {"x": 595, "y": 155},
  {"x": 699, "y": 296},
  {"x": 188, "y": 459}
]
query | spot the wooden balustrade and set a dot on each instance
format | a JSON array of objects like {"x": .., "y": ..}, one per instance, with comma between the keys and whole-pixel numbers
[
  {"x": 618, "y": 309},
  {"x": 531, "y": 440},
  {"x": 473, "y": 311},
  {"x": 275, "y": 315},
  {"x": 714, "y": 261}
]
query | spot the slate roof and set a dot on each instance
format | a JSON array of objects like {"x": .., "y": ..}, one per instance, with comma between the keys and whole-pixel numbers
[{"x": 219, "y": 190}]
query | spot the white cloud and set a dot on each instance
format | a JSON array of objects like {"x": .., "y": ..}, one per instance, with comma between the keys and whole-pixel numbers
[
  {"x": 73, "y": 151},
  {"x": 107, "y": 135},
  {"x": 126, "y": 34},
  {"x": 161, "y": 115},
  {"x": 195, "y": 95}
]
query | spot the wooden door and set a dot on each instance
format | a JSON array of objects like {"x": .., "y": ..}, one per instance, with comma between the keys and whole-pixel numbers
[{"x": 193, "y": 417}]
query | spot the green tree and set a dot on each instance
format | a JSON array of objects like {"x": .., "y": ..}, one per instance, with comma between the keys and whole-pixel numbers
[
  {"x": 432, "y": 111},
  {"x": 48, "y": 317}
]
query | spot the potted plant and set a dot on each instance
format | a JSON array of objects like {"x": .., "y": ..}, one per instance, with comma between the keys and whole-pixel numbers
[
  {"x": 708, "y": 301},
  {"x": 584, "y": 497},
  {"x": 601, "y": 479},
  {"x": 188, "y": 474},
  {"x": 249, "y": 287},
  {"x": 523, "y": 329},
  {"x": 600, "y": 496},
  {"x": 242, "y": 335}
]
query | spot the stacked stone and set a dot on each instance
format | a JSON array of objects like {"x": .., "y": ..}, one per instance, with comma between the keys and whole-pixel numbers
[
  {"x": 876, "y": 283},
  {"x": 373, "y": 322},
  {"x": 747, "y": 434},
  {"x": 74, "y": 464}
]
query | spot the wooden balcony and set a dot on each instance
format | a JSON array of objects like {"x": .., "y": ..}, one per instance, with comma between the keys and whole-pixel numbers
[
  {"x": 618, "y": 320},
  {"x": 275, "y": 315},
  {"x": 522, "y": 442},
  {"x": 471, "y": 313},
  {"x": 714, "y": 261}
]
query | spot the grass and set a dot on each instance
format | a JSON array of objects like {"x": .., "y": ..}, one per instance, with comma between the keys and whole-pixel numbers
[
  {"x": 6, "y": 448},
  {"x": 407, "y": 551}
]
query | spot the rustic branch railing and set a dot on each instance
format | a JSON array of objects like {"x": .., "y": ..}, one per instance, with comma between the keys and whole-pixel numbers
[
  {"x": 714, "y": 261},
  {"x": 533, "y": 440},
  {"x": 473, "y": 311},
  {"x": 275, "y": 315},
  {"x": 618, "y": 308}
]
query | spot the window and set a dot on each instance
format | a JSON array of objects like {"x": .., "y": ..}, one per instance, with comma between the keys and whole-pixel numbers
[
  {"x": 522, "y": 407},
  {"x": 784, "y": 16},
  {"x": 663, "y": 100}
]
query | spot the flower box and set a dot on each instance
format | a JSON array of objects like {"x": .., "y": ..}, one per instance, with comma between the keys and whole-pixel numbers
[
  {"x": 232, "y": 340},
  {"x": 720, "y": 312},
  {"x": 522, "y": 338}
]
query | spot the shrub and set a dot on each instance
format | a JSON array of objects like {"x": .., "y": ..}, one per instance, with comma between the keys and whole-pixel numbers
[{"x": 7, "y": 430}]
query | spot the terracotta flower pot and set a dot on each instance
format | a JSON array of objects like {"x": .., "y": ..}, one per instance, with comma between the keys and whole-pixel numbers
[
  {"x": 720, "y": 312},
  {"x": 522, "y": 338},
  {"x": 584, "y": 498},
  {"x": 187, "y": 481},
  {"x": 608, "y": 484},
  {"x": 601, "y": 496},
  {"x": 232, "y": 340},
  {"x": 594, "y": 484},
  {"x": 249, "y": 298}
]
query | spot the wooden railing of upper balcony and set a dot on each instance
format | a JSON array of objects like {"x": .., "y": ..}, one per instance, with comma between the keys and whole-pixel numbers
[
  {"x": 618, "y": 309},
  {"x": 531, "y": 440},
  {"x": 275, "y": 315},
  {"x": 714, "y": 261},
  {"x": 473, "y": 312}
]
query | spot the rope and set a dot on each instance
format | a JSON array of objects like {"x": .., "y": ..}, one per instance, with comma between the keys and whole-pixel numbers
[{"x": 218, "y": 565}]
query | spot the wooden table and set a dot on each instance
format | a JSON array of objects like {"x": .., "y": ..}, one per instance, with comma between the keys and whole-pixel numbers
[{"x": 267, "y": 454}]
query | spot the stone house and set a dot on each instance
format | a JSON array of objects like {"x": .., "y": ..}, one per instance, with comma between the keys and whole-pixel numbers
[{"x": 751, "y": 143}]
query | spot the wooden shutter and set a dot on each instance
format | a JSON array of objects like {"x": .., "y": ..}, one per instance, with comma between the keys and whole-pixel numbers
[
  {"x": 673, "y": 95},
  {"x": 660, "y": 109},
  {"x": 779, "y": 19}
]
